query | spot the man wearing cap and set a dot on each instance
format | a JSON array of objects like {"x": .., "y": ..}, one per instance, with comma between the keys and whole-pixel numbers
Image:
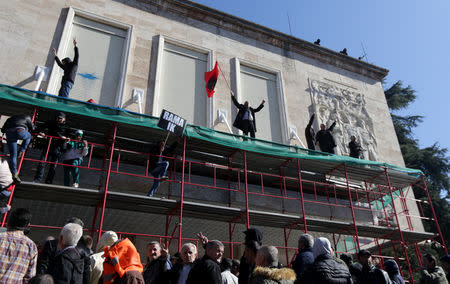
[
  {"x": 74, "y": 151},
  {"x": 58, "y": 132},
  {"x": 445, "y": 262},
  {"x": 70, "y": 71},
  {"x": 369, "y": 273},
  {"x": 253, "y": 241}
]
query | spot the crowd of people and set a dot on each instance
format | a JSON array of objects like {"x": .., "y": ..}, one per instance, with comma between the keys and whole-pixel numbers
[{"x": 69, "y": 259}]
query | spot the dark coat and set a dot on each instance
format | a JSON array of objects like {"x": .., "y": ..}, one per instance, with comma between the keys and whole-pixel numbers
[
  {"x": 393, "y": 271},
  {"x": 154, "y": 151},
  {"x": 68, "y": 267},
  {"x": 55, "y": 129},
  {"x": 238, "y": 122},
  {"x": 302, "y": 263},
  {"x": 326, "y": 140},
  {"x": 372, "y": 275},
  {"x": 355, "y": 149},
  {"x": 205, "y": 271},
  {"x": 326, "y": 270},
  {"x": 70, "y": 68},
  {"x": 433, "y": 276},
  {"x": 155, "y": 271},
  {"x": 245, "y": 271},
  {"x": 309, "y": 134},
  {"x": 20, "y": 120}
]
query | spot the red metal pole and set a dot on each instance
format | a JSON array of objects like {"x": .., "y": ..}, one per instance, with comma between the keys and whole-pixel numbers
[
  {"x": 180, "y": 225},
  {"x": 351, "y": 206},
  {"x": 246, "y": 191},
  {"x": 403, "y": 244},
  {"x": 111, "y": 155},
  {"x": 18, "y": 171},
  {"x": 434, "y": 214},
  {"x": 301, "y": 196}
]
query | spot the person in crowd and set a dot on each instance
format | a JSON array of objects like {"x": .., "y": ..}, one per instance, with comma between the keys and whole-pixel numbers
[
  {"x": 393, "y": 271},
  {"x": 122, "y": 264},
  {"x": 17, "y": 127},
  {"x": 41, "y": 245},
  {"x": 158, "y": 165},
  {"x": 158, "y": 263},
  {"x": 325, "y": 268},
  {"x": 445, "y": 262},
  {"x": 227, "y": 276},
  {"x": 18, "y": 253},
  {"x": 42, "y": 279},
  {"x": 235, "y": 267},
  {"x": 180, "y": 270},
  {"x": 369, "y": 273},
  {"x": 6, "y": 181},
  {"x": 206, "y": 270},
  {"x": 87, "y": 242},
  {"x": 70, "y": 71},
  {"x": 267, "y": 271},
  {"x": 305, "y": 257},
  {"x": 245, "y": 119},
  {"x": 346, "y": 258},
  {"x": 68, "y": 266},
  {"x": 309, "y": 133},
  {"x": 432, "y": 273},
  {"x": 176, "y": 258},
  {"x": 252, "y": 242},
  {"x": 355, "y": 148},
  {"x": 325, "y": 139},
  {"x": 107, "y": 239},
  {"x": 48, "y": 257},
  {"x": 74, "y": 151},
  {"x": 355, "y": 270},
  {"x": 60, "y": 131}
]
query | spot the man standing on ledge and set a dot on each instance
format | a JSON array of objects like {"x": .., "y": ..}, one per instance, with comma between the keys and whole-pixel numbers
[
  {"x": 245, "y": 119},
  {"x": 70, "y": 71},
  {"x": 325, "y": 139},
  {"x": 309, "y": 133}
]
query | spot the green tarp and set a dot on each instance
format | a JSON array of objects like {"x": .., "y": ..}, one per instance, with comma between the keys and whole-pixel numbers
[{"x": 119, "y": 115}]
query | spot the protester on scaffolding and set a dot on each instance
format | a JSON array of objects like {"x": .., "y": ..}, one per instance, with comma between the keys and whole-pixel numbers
[
  {"x": 107, "y": 239},
  {"x": 245, "y": 119},
  {"x": 48, "y": 257},
  {"x": 431, "y": 272},
  {"x": 74, "y": 151},
  {"x": 59, "y": 131},
  {"x": 355, "y": 148},
  {"x": 267, "y": 270},
  {"x": 227, "y": 276},
  {"x": 17, "y": 127},
  {"x": 252, "y": 242},
  {"x": 206, "y": 270},
  {"x": 326, "y": 270},
  {"x": 18, "y": 253},
  {"x": 309, "y": 133},
  {"x": 235, "y": 267},
  {"x": 180, "y": 270},
  {"x": 393, "y": 271},
  {"x": 68, "y": 265},
  {"x": 70, "y": 71},
  {"x": 445, "y": 262},
  {"x": 325, "y": 139},
  {"x": 158, "y": 165},
  {"x": 369, "y": 273},
  {"x": 158, "y": 263},
  {"x": 305, "y": 257}
]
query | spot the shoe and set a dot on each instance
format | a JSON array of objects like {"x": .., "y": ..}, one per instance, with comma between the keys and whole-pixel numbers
[
  {"x": 150, "y": 194},
  {"x": 19, "y": 156},
  {"x": 16, "y": 179},
  {"x": 164, "y": 178},
  {"x": 75, "y": 185}
]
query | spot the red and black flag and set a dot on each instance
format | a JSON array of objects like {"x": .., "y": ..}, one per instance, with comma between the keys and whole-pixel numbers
[{"x": 211, "y": 80}]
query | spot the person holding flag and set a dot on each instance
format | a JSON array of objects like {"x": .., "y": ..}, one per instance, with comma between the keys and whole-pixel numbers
[{"x": 245, "y": 119}]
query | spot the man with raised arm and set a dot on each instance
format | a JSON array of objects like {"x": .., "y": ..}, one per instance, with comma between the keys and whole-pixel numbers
[{"x": 70, "y": 71}]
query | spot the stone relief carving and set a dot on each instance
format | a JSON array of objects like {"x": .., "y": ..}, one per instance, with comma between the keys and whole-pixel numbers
[{"x": 348, "y": 108}]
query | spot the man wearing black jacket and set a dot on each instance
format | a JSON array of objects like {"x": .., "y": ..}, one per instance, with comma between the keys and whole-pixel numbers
[
  {"x": 325, "y": 139},
  {"x": 70, "y": 71},
  {"x": 309, "y": 133},
  {"x": 59, "y": 131},
  {"x": 17, "y": 127},
  {"x": 245, "y": 119},
  {"x": 207, "y": 270}
]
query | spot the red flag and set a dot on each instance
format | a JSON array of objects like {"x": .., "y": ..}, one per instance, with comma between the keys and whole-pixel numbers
[{"x": 211, "y": 80}]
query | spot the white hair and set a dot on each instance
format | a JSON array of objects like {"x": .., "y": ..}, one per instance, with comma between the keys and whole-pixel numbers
[
  {"x": 194, "y": 247},
  {"x": 71, "y": 233},
  {"x": 270, "y": 254}
]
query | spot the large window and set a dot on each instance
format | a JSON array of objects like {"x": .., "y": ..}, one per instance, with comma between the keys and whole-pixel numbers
[
  {"x": 257, "y": 85},
  {"x": 182, "y": 85}
]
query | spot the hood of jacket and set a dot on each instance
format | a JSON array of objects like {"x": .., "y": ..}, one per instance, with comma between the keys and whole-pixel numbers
[
  {"x": 275, "y": 274},
  {"x": 72, "y": 255},
  {"x": 391, "y": 267}
]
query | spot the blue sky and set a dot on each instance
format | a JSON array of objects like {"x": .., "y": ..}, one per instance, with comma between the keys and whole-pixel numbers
[{"x": 411, "y": 38}]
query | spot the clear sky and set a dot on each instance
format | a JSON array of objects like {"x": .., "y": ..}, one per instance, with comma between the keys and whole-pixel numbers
[{"x": 411, "y": 38}]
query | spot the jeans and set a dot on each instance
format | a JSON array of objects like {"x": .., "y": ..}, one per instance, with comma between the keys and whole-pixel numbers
[
  {"x": 73, "y": 172},
  {"x": 159, "y": 171},
  {"x": 12, "y": 135},
  {"x": 64, "y": 91},
  {"x": 54, "y": 155}
]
